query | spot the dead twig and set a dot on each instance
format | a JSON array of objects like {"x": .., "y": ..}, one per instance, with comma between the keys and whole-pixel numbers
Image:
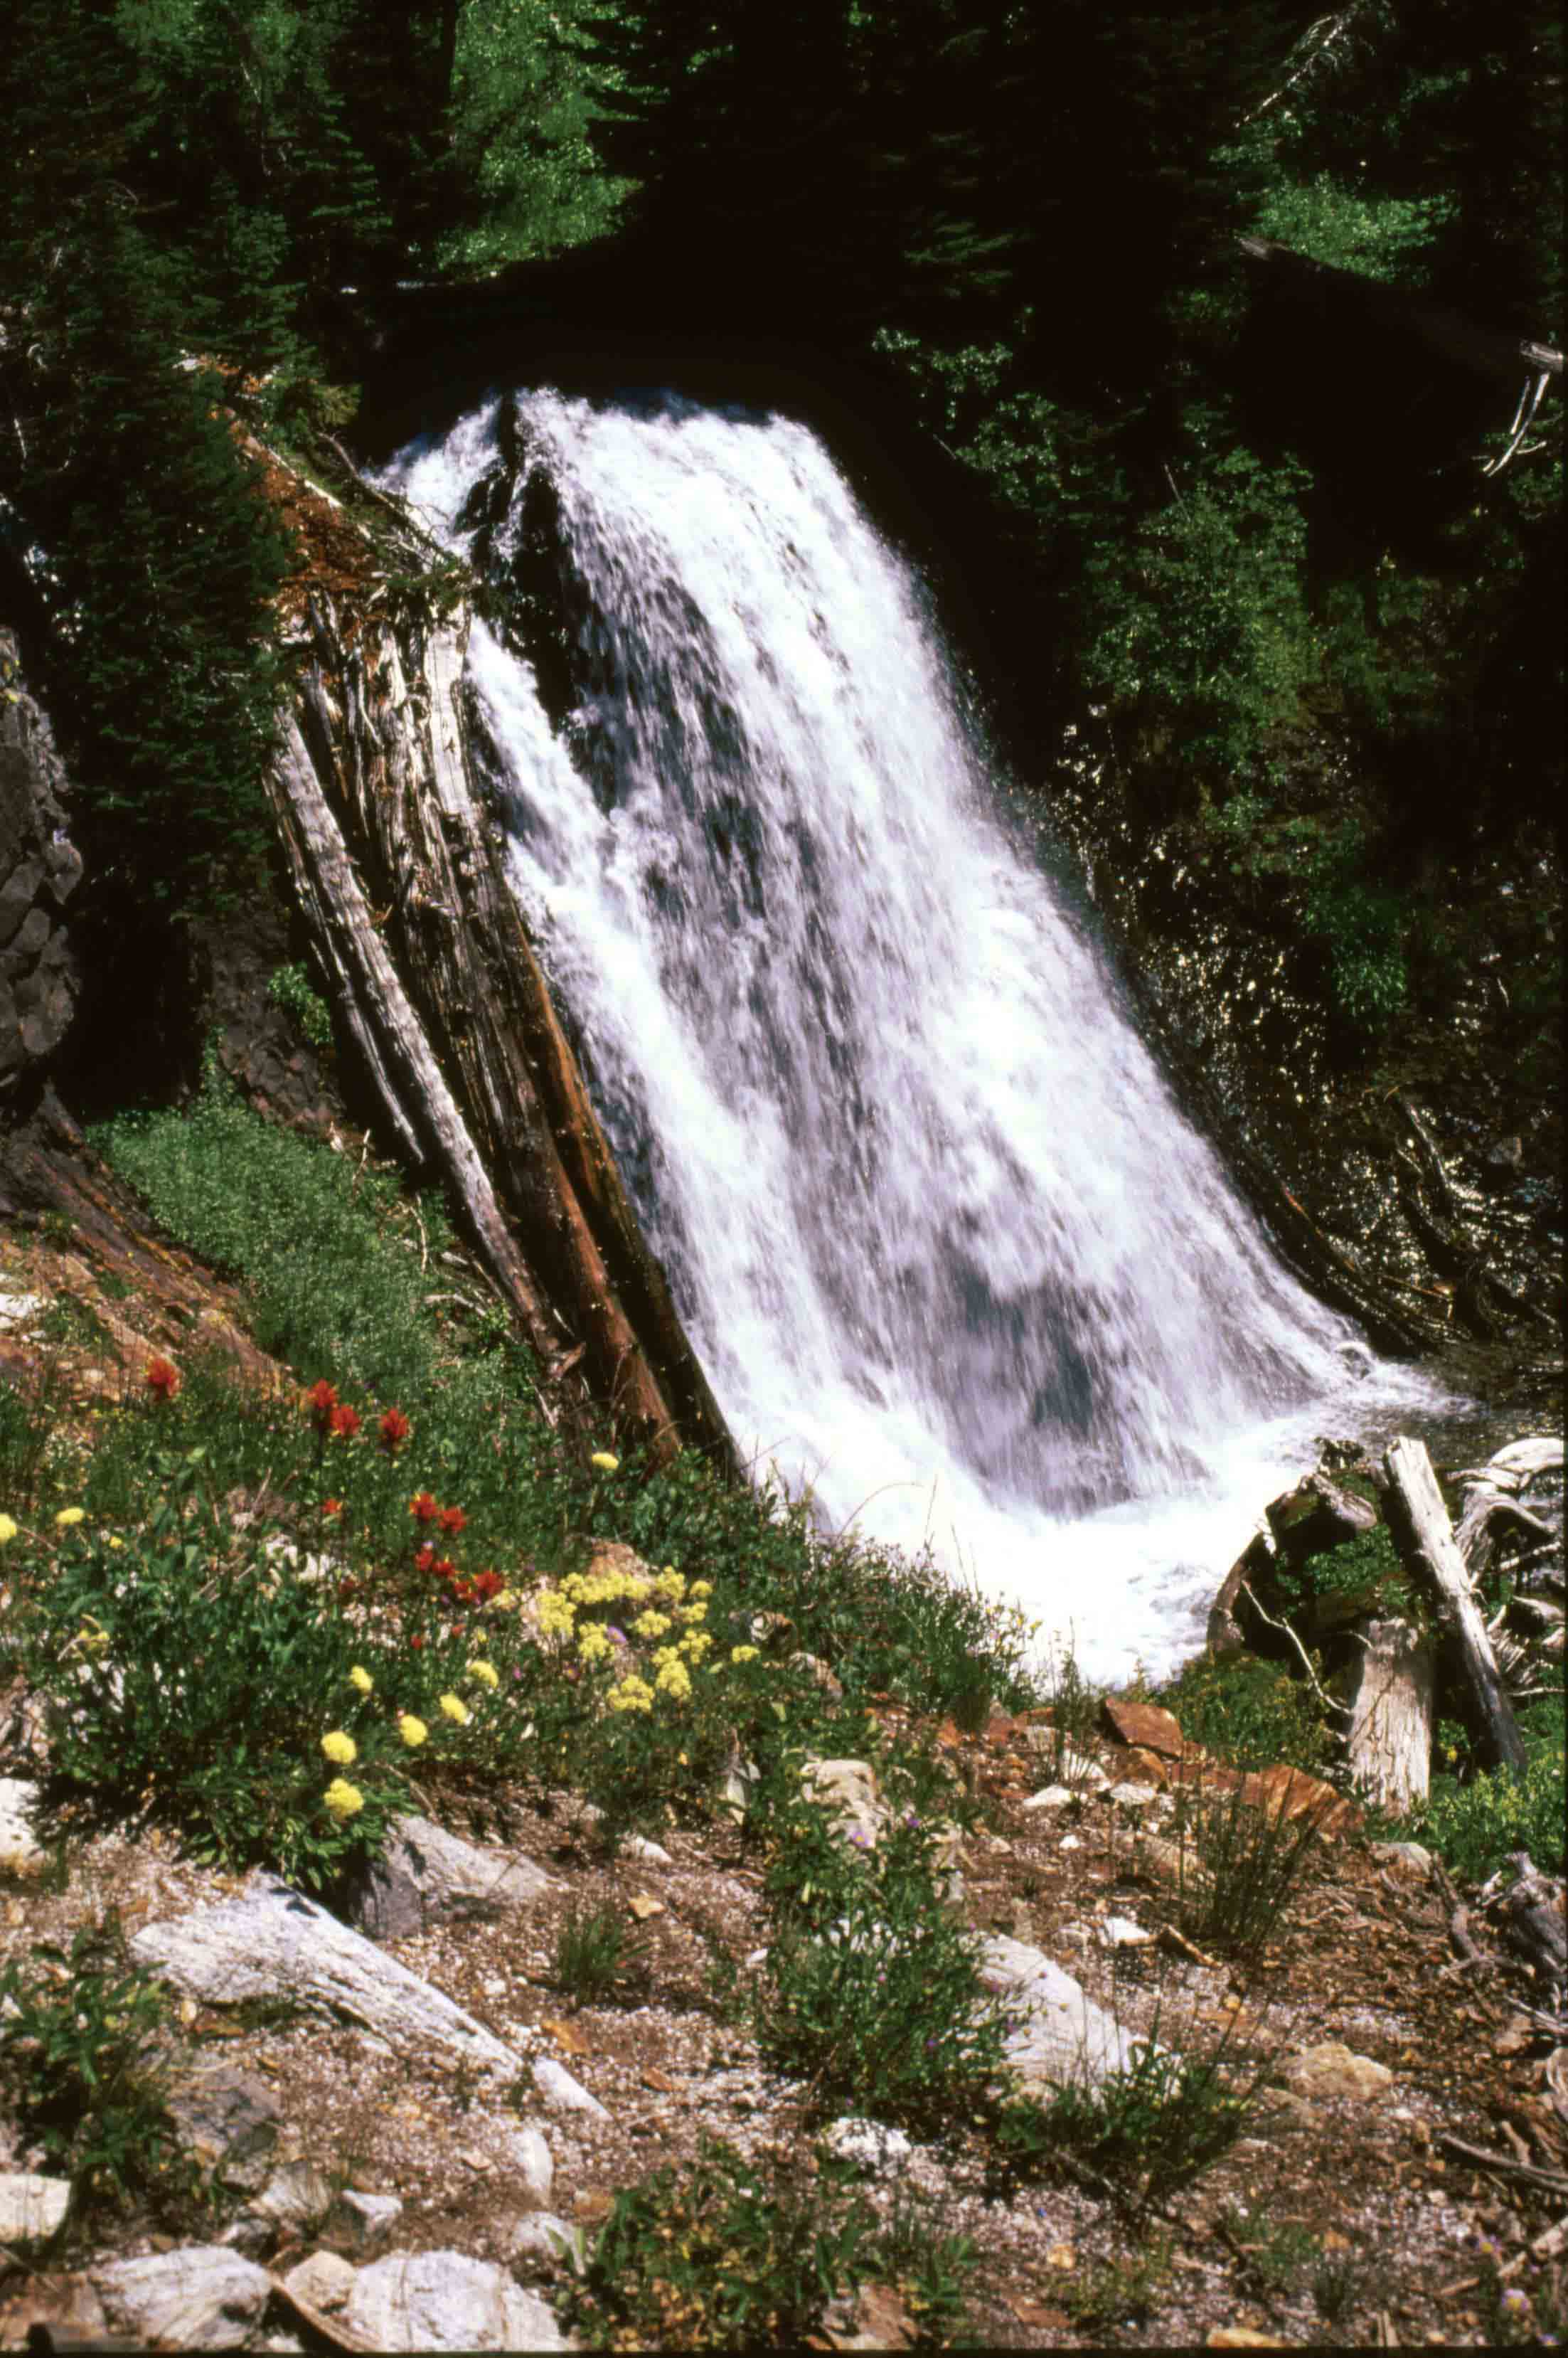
[
  {"x": 1326, "y": 1701},
  {"x": 1502, "y": 2163}
]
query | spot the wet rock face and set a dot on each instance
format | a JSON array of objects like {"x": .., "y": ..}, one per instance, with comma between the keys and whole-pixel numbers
[{"x": 40, "y": 869}]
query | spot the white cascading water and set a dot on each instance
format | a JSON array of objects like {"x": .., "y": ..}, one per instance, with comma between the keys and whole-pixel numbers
[{"x": 947, "y": 1250}]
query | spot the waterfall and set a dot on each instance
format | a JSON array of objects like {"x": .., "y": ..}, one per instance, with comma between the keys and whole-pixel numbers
[{"x": 946, "y": 1245}]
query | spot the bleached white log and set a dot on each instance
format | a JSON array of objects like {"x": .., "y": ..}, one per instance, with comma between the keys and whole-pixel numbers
[
  {"x": 1389, "y": 1743},
  {"x": 1417, "y": 1520}
]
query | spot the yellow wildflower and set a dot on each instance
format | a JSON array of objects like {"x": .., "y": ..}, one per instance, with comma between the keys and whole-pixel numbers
[
  {"x": 7, "y": 1530},
  {"x": 695, "y": 1644},
  {"x": 362, "y": 1679},
  {"x": 341, "y": 1750},
  {"x": 412, "y": 1731},
  {"x": 344, "y": 1801},
  {"x": 604, "y": 1462},
  {"x": 593, "y": 1645},
  {"x": 671, "y": 1583},
  {"x": 116, "y": 1542},
  {"x": 742, "y": 1653},
  {"x": 484, "y": 1672},
  {"x": 693, "y": 1612},
  {"x": 454, "y": 1708},
  {"x": 69, "y": 1515},
  {"x": 632, "y": 1694},
  {"x": 506, "y": 1602},
  {"x": 91, "y": 1636},
  {"x": 557, "y": 1614},
  {"x": 675, "y": 1678},
  {"x": 650, "y": 1625},
  {"x": 702, "y": 1588}
]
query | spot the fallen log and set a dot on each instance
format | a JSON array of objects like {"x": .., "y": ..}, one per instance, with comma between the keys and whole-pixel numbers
[
  {"x": 1391, "y": 1700},
  {"x": 1418, "y": 1522}
]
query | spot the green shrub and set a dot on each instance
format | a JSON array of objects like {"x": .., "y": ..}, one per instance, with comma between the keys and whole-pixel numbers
[
  {"x": 735, "y": 2254},
  {"x": 292, "y": 989},
  {"x": 873, "y": 1990},
  {"x": 79, "y": 2067},
  {"x": 1152, "y": 2127},
  {"x": 1367, "y": 1570},
  {"x": 1474, "y": 1824},
  {"x": 1247, "y": 1711}
]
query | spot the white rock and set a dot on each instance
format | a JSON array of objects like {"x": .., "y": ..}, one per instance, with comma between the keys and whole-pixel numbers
[
  {"x": 426, "y": 1873},
  {"x": 364, "y": 2220},
  {"x": 1053, "y": 1797},
  {"x": 270, "y": 1942},
  {"x": 325, "y": 2279},
  {"x": 1077, "y": 1768},
  {"x": 529, "y": 2165},
  {"x": 1133, "y": 1798},
  {"x": 199, "y": 2297},
  {"x": 1408, "y": 1859},
  {"x": 17, "y": 1308},
  {"x": 1069, "y": 1841},
  {"x": 540, "y": 2239},
  {"x": 444, "y": 2300},
  {"x": 867, "y": 2145},
  {"x": 757, "y": 1959},
  {"x": 21, "y": 1852},
  {"x": 1062, "y": 2036},
  {"x": 651, "y": 1853},
  {"x": 559, "y": 2089},
  {"x": 1121, "y": 1932},
  {"x": 32, "y": 2208},
  {"x": 846, "y": 1790}
]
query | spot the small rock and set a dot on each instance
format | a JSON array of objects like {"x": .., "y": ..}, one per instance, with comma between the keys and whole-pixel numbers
[
  {"x": 444, "y": 2300},
  {"x": 528, "y": 2163},
  {"x": 1133, "y": 1798},
  {"x": 651, "y": 1853},
  {"x": 540, "y": 2241},
  {"x": 199, "y": 2297},
  {"x": 16, "y": 1309},
  {"x": 425, "y": 1874},
  {"x": 296, "y": 2196},
  {"x": 21, "y": 1852},
  {"x": 867, "y": 2145},
  {"x": 1069, "y": 1841},
  {"x": 32, "y": 2208},
  {"x": 846, "y": 1790},
  {"x": 1077, "y": 1768},
  {"x": 230, "y": 2121},
  {"x": 325, "y": 2281},
  {"x": 1053, "y": 1797},
  {"x": 1331, "y": 2070},
  {"x": 558, "y": 2088},
  {"x": 1145, "y": 1725},
  {"x": 1062, "y": 2037},
  {"x": 362, "y": 2221},
  {"x": 1408, "y": 1859},
  {"x": 1121, "y": 1932}
]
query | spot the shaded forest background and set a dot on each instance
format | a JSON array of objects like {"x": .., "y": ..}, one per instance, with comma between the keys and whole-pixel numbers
[{"x": 1261, "y": 551}]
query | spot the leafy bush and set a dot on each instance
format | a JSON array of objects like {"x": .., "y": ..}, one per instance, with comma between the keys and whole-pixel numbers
[
  {"x": 1247, "y": 1711},
  {"x": 1364, "y": 1570},
  {"x": 1475, "y": 1825},
  {"x": 1153, "y": 2126},
  {"x": 292, "y": 989},
  {"x": 873, "y": 1990},
  {"x": 80, "y": 2066},
  {"x": 736, "y": 2254}
]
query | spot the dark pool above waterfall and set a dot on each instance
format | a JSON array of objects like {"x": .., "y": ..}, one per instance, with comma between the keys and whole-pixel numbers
[{"x": 949, "y": 1250}]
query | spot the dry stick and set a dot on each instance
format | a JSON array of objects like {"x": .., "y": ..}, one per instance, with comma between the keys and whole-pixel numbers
[
  {"x": 1425, "y": 1536},
  {"x": 1552, "y": 2179},
  {"x": 1327, "y": 1701}
]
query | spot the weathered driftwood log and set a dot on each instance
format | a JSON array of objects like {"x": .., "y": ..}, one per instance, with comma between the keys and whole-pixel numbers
[
  {"x": 1492, "y": 1504},
  {"x": 1390, "y": 1695},
  {"x": 443, "y": 994},
  {"x": 1417, "y": 1520}
]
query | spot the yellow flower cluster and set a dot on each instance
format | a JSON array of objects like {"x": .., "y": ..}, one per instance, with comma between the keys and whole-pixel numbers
[
  {"x": 485, "y": 1673},
  {"x": 341, "y": 1750},
  {"x": 691, "y": 1613},
  {"x": 412, "y": 1731},
  {"x": 68, "y": 1515},
  {"x": 592, "y": 1645},
  {"x": 670, "y": 1585},
  {"x": 7, "y": 1530},
  {"x": 344, "y": 1801},
  {"x": 695, "y": 1644},
  {"x": 362, "y": 1679},
  {"x": 606, "y": 1587},
  {"x": 605, "y": 1461},
  {"x": 633, "y": 1693},
  {"x": 557, "y": 1614},
  {"x": 673, "y": 1678},
  {"x": 650, "y": 1625},
  {"x": 742, "y": 1653},
  {"x": 454, "y": 1708}
]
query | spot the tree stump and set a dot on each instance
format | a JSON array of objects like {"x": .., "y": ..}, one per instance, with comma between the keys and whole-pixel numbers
[{"x": 1391, "y": 1695}]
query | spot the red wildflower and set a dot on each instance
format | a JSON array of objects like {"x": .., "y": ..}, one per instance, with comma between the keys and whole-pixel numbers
[
  {"x": 320, "y": 1401},
  {"x": 453, "y": 1520},
  {"x": 462, "y": 1592},
  {"x": 425, "y": 1559},
  {"x": 417, "y": 1641},
  {"x": 162, "y": 1378},
  {"x": 422, "y": 1507},
  {"x": 394, "y": 1431},
  {"x": 331, "y": 1506},
  {"x": 343, "y": 1423},
  {"x": 488, "y": 1585},
  {"x": 443, "y": 1568},
  {"x": 347, "y": 1589}
]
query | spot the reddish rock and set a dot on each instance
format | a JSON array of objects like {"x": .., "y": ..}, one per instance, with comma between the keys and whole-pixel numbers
[
  {"x": 1292, "y": 1793},
  {"x": 1144, "y": 1725}
]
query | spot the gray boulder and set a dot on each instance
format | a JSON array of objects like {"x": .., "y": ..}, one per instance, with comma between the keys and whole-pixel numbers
[
  {"x": 444, "y": 2300},
  {"x": 1061, "y": 2038},
  {"x": 426, "y": 1873},
  {"x": 199, "y": 2297}
]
